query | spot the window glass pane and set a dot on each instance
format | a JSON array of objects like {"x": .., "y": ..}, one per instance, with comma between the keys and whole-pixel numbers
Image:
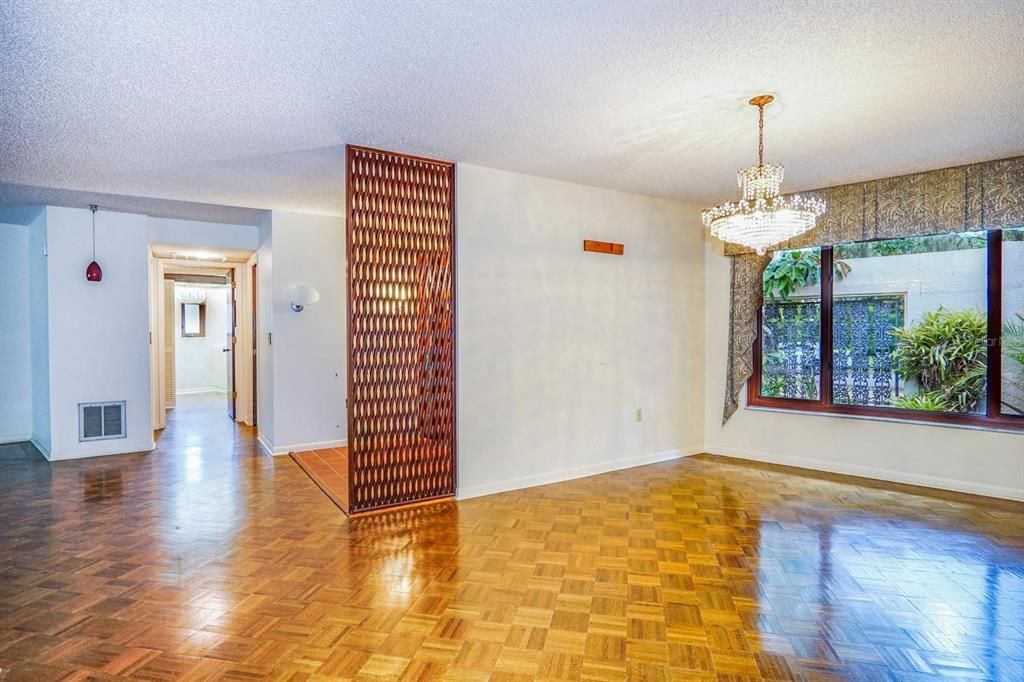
[
  {"x": 791, "y": 329},
  {"x": 909, "y": 323},
  {"x": 1013, "y": 323}
]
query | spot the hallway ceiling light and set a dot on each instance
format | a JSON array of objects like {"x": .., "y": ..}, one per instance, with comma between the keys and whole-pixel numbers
[
  {"x": 198, "y": 255},
  {"x": 763, "y": 217},
  {"x": 193, "y": 295}
]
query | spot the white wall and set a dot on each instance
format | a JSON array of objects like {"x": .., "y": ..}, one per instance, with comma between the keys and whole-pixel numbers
[
  {"x": 39, "y": 333},
  {"x": 15, "y": 335},
  {"x": 90, "y": 340},
  {"x": 264, "y": 327},
  {"x": 984, "y": 462},
  {"x": 98, "y": 331},
  {"x": 556, "y": 347},
  {"x": 309, "y": 351},
  {"x": 200, "y": 363},
  {"x": 198, "y": 234}
]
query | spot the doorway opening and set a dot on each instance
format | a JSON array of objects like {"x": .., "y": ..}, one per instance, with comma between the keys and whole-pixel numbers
[
  {"x": 202, "y": 338},
  {"x": 201, "y": 312}
]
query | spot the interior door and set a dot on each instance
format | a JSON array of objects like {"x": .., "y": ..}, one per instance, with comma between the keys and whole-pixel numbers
[
  {"x": 169, "y": 332},
  {"x": 230, "y": 347}
]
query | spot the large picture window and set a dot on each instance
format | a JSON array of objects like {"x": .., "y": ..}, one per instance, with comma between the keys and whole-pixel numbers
[
  {"x": 1012, "y": 294},
  {"x": 897, "y": 328}
]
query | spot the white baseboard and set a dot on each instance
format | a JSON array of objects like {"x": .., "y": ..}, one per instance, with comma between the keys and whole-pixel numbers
[
  {"x": 111, "y": 447},
  {"x": 15, "y": 438},
  {"x": 267, "y": 446},
  {"x": 45, "y": 451},
  {"x": 278, "y": 450},
  {"x": 206, "y": 389},
  {"x": 876, "y": 473},
  {"x": 302, "y": 447},
  {"x": 559, "y": 475}
]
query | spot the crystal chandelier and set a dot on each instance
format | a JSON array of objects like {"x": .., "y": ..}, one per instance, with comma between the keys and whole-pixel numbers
[{"x": 763, "y": 217}]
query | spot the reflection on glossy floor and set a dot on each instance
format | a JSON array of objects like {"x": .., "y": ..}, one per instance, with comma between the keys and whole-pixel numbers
[{"x": 207, "y": 559}]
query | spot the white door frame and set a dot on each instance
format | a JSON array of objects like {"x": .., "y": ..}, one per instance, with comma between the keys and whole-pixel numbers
[{"x": 252, "y": 334}]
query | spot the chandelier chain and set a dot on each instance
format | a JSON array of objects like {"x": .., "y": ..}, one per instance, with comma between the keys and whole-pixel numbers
[{"x": 760, "y": 135}]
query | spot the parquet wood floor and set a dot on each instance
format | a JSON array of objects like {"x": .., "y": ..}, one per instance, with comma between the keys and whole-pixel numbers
[{"x": 208, "y": 560}]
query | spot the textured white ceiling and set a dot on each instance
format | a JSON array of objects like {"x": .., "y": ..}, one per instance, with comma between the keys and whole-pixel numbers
[{"x": 249, "y": 102}]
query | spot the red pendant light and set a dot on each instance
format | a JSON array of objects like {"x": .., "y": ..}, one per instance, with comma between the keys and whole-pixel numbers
[{"x": 94, "y": 273}]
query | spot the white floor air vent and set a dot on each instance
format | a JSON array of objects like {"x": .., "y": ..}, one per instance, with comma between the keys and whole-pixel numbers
[{"x": 99, "y": 421}]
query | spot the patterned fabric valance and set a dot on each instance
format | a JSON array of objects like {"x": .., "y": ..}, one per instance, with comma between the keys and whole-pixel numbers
[{"x": 987, "y": 195}]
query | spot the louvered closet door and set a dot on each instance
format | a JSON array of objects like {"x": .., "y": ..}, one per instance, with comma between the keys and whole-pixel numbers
[
  {"x": 401, "y": 271},
  {"x": 169, "y": 331}
]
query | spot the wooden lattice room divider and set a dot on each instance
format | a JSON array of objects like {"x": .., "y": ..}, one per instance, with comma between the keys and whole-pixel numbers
[{"x": 401, "y": 286}]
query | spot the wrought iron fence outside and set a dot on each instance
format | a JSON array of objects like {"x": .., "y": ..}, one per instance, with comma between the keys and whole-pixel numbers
[{"x": 863, "y": 370}]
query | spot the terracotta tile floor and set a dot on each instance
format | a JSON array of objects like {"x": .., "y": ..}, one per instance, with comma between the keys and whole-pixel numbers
[
  {"x": 208, "y": 560},
  {"x": 329, "y": 469}
]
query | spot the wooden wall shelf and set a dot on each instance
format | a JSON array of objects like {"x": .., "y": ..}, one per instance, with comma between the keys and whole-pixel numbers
[{"x": 610, "y": 248}]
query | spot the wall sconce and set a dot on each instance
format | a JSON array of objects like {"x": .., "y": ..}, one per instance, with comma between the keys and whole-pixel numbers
[{"x": 303, "y": 295}]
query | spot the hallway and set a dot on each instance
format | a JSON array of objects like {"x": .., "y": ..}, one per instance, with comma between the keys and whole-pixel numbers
[{"x": 201, "y": 420}]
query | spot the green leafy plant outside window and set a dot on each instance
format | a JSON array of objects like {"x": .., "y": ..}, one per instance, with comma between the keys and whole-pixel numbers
[
  {"x": 790, "y": 270},
  {"x": 945, "y": 353},
  {"x": 1013, "y": 338},
  {"x": 1013, "y": 351}
]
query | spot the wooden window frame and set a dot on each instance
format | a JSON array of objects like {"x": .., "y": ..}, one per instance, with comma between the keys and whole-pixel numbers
[{"x": 992, "y": 417}]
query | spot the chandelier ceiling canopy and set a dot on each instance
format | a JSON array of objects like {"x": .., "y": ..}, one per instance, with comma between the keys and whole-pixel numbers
[{"x": 763, "y": 217}]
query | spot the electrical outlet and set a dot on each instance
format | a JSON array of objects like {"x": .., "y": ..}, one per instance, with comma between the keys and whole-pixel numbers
[{"x": 639, "y": 414}]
